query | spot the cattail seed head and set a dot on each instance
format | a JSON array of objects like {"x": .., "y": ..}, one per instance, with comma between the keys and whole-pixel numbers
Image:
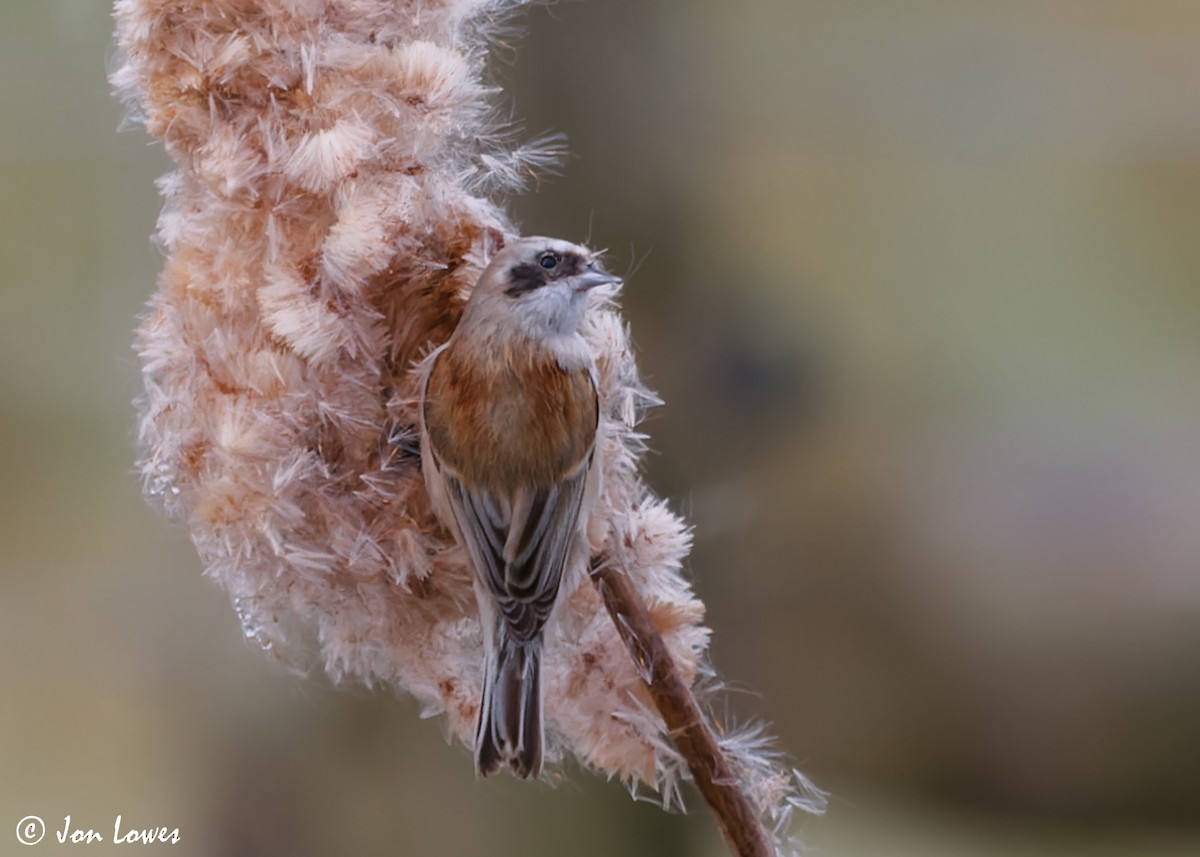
[{"x": 324, "y": 224}]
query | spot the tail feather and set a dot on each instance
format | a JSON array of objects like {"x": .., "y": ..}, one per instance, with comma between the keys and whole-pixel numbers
[{"x": 510, "y": 717}]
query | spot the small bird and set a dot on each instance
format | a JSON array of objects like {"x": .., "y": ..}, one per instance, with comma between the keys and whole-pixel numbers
[{"x": 509, "y": 413}]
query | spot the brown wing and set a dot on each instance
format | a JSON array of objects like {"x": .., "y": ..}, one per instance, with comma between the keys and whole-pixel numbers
[
  {"x": 519, "y": 544},
  {"x": 514, "y": 446}
]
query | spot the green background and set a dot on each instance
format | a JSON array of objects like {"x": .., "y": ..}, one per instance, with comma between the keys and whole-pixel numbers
[{"x": 920, "y": 284}]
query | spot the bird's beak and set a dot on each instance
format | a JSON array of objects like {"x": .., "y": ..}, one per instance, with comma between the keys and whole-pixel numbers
[{"x": 593, "y": 277}]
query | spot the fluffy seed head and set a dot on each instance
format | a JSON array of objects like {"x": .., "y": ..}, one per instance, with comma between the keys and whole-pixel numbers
[{"x": 323, "y": 227}]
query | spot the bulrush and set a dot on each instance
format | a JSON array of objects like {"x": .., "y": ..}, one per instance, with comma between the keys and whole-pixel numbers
[{"x": 336, "y": 195}]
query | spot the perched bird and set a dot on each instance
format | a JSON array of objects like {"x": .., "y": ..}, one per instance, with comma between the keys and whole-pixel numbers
[{"x": 508, "y": 428}]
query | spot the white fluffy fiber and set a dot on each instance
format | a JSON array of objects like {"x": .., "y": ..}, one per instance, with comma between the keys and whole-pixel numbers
[{"x": 322, "y": 229}]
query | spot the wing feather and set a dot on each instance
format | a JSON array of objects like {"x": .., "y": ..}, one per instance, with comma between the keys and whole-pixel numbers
[{"x": 520, "y": 543}]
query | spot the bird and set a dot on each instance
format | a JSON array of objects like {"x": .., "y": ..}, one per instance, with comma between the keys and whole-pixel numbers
[{"x": 509, "y": 413}]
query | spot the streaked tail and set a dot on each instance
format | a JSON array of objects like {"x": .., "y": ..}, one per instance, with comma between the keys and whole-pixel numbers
[{"x": 509, "y": 729}]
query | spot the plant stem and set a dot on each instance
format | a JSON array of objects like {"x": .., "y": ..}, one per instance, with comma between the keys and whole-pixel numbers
[{"x": 686, "y": 724}]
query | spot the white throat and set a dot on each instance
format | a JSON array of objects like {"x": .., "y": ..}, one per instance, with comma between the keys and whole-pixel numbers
[{"x": 550, "y": 316}]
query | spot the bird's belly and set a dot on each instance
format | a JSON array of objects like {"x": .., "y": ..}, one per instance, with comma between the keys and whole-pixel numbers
[
  {"x": 529, "y": 422},
  {"x": 538, "y": 432}
]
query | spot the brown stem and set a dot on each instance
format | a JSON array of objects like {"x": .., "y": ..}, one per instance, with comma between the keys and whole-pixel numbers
[{"x": 685, "y": 722}]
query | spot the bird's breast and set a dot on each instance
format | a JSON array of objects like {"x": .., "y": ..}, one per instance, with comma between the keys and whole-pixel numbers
[{"x": 514, "y": 416}]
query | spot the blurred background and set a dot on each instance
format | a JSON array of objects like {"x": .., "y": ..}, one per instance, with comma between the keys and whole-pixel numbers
[{"x": 920, "y": 284}]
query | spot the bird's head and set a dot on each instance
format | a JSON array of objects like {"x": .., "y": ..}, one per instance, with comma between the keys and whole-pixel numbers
[{"x": 538, "y": 284}]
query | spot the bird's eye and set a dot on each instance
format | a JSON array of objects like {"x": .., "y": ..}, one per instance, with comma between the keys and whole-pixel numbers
[{"x": 548, "y": 260}]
